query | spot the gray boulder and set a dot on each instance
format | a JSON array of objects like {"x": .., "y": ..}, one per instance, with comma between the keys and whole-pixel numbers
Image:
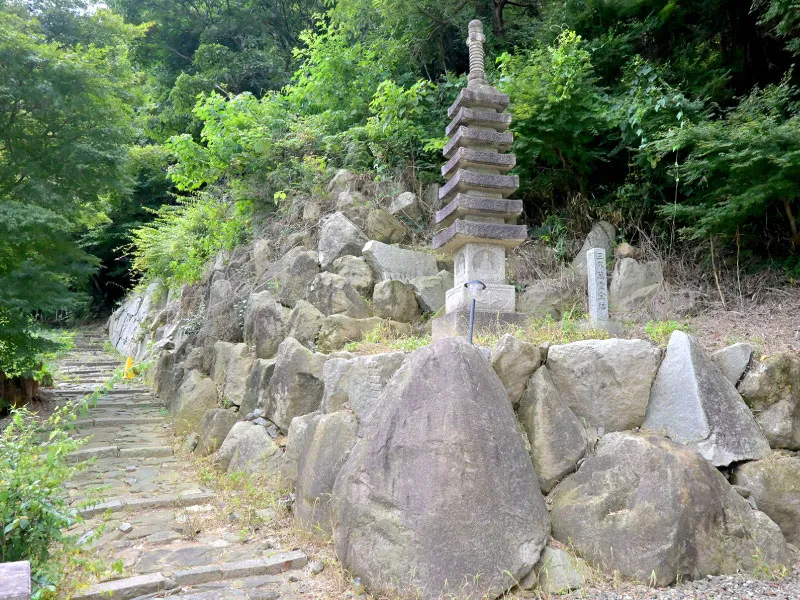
[
  {"x": 332, "y": 439},
  {"x": 774, "y": 484},
  {"x": 338, "y": 236},
  {"x": 265, "y": 323},
  {"x": 558, "y": 572},
  {"x": 256, "y": 385},
  {"x": 296, "y": 386},
  {"x": 558, "y": 438},
  {"x": 232, "y": 363},
  {"x": 256, "y": 453},
  {"x": 304, "y": 324},
  {"x": 222, "y": 321},
  {"x": 358, "y": 382},
  {"x": 606, "y": 383},
  {"x": 262, "y": 256},
  {"x": 406, "y": 205},
  {"x": 339, "y": 330},
  {"x": 442, "y": 451},
  {"x": 385, "y": 227},
  {"x": 289, "y": 277},
  {"x": 357, "y": 273},
  {"x": 514, "y": 361},
  {"x": 552, "y": 297},
  {"x": 214, "y": 428},
  {"x": 772, "y": 390},
  {"x": 733, "y": 360},
  {"x": 693, "y": 403},
  {"x": 431, "y": 290},
  {"x": 222, "y": 457},
  {"x": 344, "y": 180},
  {"x": 196, "y": 395},
  {"x": 301, "y": 432},
  {"x": 389, "y": 262},
  {"x": 396, "y": 301},
  {"x": 656, "y": 511},
  {"x": 332, "y": 295},
  {"x": 633, "y": 284},
  {"x": 602, "y": 235},
  {"x": 354, "y": 206}
]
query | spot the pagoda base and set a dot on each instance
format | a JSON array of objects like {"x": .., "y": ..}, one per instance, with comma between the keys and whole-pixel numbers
[{"x": 456, "y": 323}]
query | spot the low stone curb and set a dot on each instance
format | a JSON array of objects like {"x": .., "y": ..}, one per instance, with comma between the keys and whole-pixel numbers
[
  {"x": 133, "y": 587},
  {"x": 114, "y": 422},
  {"x": 167, "y": 501},
  {"x": 117, "y": 452}
]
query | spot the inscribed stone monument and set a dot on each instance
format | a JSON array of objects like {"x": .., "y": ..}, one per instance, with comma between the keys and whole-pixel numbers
[{"x": 598, "y": 285}]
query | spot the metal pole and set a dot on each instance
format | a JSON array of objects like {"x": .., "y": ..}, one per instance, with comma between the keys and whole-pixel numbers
[{"x": 471, "y": 320}]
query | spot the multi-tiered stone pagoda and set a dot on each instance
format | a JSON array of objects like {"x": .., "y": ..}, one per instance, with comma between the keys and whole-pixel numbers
[{"x": 478, "y": 218}]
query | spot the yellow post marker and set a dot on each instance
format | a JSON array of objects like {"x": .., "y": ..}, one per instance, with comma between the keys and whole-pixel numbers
[{"x": 130, "y": 371}]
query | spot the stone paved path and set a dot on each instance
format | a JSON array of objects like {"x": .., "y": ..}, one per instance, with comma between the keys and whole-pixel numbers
[{"x": 154, "y": 517}]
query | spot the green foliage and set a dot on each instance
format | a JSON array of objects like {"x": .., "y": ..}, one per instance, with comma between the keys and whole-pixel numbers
[
  {"x": 660, "y": 331},
  {"x": 177, "y": 246},
  {"x": 34, "y": 504}
]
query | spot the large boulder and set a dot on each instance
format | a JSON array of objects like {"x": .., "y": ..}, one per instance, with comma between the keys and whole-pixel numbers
[
  {"x": 358, "y": 382},
  {"x": 256, "y": 453},
  {"x": 196, "y": 395},
  {"x": 602, "y": 235},
  {"x": 772, "y": 390},
  {"x": 222, "y": 457},
  {"x": 693, "y": 403},
  {"x": 214, "y": 428},
  {"x": 332, "y": 295},
  {"x": 301, "y": 432},
  {"x": 339, "y": 330},
  {"x": 552, "y": 297},
  {"x": 256, "y": 387},
  {"x": 304, "y": 324},
  {"x": 558, "y": 438},
  {"x": 296, "y": 386},
  {"x": 774, "y": 484},
  {"x": 385, "y": 227},
  {"x": 342, "y": 181},
  {"x": 514, "y": 361},
  {"x": 390, "y": 262},
  {"x": 396, "y": 301},
  {"x": 441, "y": 488},
  {"x": 289, "y": 277},
  {"x": 265, "y": 323},
  {"x": 338, "y": 236},
  {"x": 232, "y": 364},
  {"x": 605, "y": 382},
  {"x": 406, "y": 205},
  {"x": 633, "y": 284},
  {"x": 222, "y": 320},
  {"x": 332, "y": 439},
  {"x": 656, "y": 511},
  {"x": 733, "y": 360},
  {"x": 357, "y": 273},
  {"x": 431, "y": 290}
]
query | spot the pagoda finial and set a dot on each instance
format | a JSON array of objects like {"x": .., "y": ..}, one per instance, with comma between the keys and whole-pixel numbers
[{"x": 477, "y": 71}]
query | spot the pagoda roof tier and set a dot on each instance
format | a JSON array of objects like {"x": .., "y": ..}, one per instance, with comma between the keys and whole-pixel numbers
[
  {"x": 467, "y": 205},
  {"x": 468, "y": 232},
  {"x": 482, "y": 97},
  {"x": 466, "y": 137},
  {"x": 481, "y": 183},
  {"x": 479, "y": 118},
  {"x": 467, "y": 158}
]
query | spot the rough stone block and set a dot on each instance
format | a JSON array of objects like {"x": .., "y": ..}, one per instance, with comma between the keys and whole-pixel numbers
[
  {"x": 15, "y": 581},
  {"x": 457, "y": 323},
  {"x": 497, "y": 297},
  {"x": 124, "y": 589},
  {"x": 390, "y": 262}
]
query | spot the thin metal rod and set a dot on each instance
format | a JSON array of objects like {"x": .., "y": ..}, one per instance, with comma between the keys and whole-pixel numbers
[{"x": 471, "y": 320}]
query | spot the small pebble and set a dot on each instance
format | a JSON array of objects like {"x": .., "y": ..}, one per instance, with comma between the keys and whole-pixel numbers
[
  {"x": 131, "y": 468},
  {"x": 315, "y": 567},
  {"x": 126, "y": 528},
  {"x": 261, "y": 421}
]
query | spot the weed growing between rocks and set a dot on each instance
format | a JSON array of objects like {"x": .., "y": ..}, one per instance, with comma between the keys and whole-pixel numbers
[
  {"x": 386, "y": 339},
  {"x": 659, "y": 332}
]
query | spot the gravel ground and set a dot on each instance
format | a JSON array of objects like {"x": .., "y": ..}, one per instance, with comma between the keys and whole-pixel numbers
[{"x": 721, "y": 587}]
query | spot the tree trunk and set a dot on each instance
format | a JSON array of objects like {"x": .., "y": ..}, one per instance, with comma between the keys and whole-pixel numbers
[
  {"x": 792, "y": 224},
  {"x": 499, "y": 23}
]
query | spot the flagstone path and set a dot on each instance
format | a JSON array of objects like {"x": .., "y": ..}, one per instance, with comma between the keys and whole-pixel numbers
[{"x": 153, "y": 517}]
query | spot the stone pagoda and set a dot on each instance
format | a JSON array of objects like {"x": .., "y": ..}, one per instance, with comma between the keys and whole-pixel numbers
[{"x": 478, "y": 218}]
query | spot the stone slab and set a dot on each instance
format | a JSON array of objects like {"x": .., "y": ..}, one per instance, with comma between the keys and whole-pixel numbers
[
  {"x": 479, "y": 118},
  {"x": 457, "y": 323},
  {"x": 89, "y": 453},
  {"x": 467, "y": 158},
  {"x": 464, "y": 232},
  {"x": 15, "y": 581},
  {"x": 484, "y": 97},
  {"x": 466, "y": 137},
  {"x": 469, "y": 205},
  {"x": 495, "y": 298},
  {"x": 197, "y": 575},
  {"x": 146, "y": 452},
  {"x": 390, "y": 262},
  {"x": 597, "y": 278},
  {"x": 125, "y": 589}
]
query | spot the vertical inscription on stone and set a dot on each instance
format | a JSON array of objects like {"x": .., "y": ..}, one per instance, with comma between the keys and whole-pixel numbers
[{"x": 598, "y": 285}]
